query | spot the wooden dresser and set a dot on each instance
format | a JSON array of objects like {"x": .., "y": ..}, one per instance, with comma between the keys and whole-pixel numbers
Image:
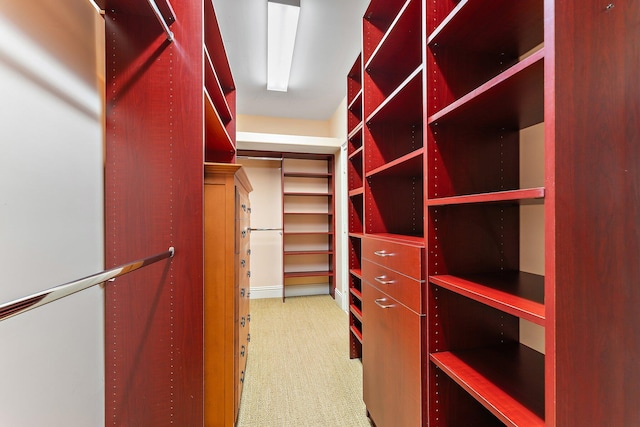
[{"x": 226, "y": 288}]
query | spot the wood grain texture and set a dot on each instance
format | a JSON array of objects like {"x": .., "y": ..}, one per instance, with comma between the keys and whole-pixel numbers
[
  {"x": 597, "y": 194},
  {"x": 153, "y": 199}
]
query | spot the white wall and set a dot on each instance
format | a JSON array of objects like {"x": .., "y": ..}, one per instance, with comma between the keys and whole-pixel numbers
[
  {"x": 266, "y": 212},
  {"x": 51, "y": 212}
]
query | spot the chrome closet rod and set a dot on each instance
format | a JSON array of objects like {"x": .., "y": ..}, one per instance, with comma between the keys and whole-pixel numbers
[
  {"x": 265, "y": 229},
  {"x": 27, "y": 303},
  {"x": 158, "y": 14}
]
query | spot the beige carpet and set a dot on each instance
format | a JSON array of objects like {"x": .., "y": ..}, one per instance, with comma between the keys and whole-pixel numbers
[{"x": 298, "y": 371}]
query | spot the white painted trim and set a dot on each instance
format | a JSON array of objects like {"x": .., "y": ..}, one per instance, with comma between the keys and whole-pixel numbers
[
  {"x": 292, "y": 291},
  {"x": 266, "y": 292}
]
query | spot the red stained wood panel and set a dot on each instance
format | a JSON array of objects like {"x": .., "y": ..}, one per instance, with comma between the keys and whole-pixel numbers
[
  {"x": 153, "y": 200},
  {"x": 593, "y": 115},
  {"x": 393, "y": 380}
]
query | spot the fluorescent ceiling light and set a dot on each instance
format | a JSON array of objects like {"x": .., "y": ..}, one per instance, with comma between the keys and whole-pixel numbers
[{"x": 282, "y": 25}]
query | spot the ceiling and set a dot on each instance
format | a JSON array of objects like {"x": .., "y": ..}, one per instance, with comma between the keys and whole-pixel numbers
[{"x": 327, "y": 43}]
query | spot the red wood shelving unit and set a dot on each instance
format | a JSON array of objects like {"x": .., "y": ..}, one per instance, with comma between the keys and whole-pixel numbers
[
  {"x": 167, "y": 103},
  {"x": 308, "y": 212},
  {"x": 355, "y": 185}
]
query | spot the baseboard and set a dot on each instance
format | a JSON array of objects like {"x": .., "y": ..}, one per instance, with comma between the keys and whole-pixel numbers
[
  {"x": 266, "y": 292},
  {"x": 292, "y": 291},
  {"x": 341, "y": 301}
]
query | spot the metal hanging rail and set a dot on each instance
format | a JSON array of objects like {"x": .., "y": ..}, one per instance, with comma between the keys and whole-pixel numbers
[
  {"x": 27, "y": 303},
  {"x": 164, "y": 24}
]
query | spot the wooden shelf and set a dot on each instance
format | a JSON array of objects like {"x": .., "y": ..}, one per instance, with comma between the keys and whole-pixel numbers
[
  {"x": 215, "y": 47},
  {"x": 356, "y": 235},
  {"x": 518, "y": 293},
  {"x": 408, "y": 165},
  {"x": 219, "y": 145},
  {"x": 378, "y": 18},
  {"x": 355, "y": 106},
  {"x": 307, "y": 175},
  {"x": 215, "y": 91},
  {"x": 354, "y": 81},
  {"x": 403, "y": 105},
  {"x": 309, "y": 213},
  {"x": 400, "y": 238},
  {"x": 524, "y": 196},
  {"x": 520, "y": 27},
  {"x": 356, "y": 153},
  {"x": 290, "y": 274},
  {"x": 302, "y": 233},
  {"x": 287, "y": 193},
  {"x": 508, "y": 380},
  {"x": 355, "y": 131},
  {"x": 356, "y": 272},
  {"x": 356, "y": 333},
  {"x": 356, "y": 192},
  {"x": 356, "y": 293},
  {"x": 288, "y": 253},
  {"x": 515, "y": 99},
  {"x": 399, "y": 51},
  {"x": 356, "y": 312}
]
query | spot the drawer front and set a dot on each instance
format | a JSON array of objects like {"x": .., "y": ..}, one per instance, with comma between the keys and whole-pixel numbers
[
  {"x": 406, "y": 259},
  {"x": 406, "y": 290},
  {"x": 244, "y": 208}
]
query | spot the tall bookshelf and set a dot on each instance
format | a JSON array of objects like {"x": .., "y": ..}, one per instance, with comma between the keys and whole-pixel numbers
[
  {"x": 308, "y": 221},
  {"x": 393, "y": 220},
  {"x": 496, "y": 200},
  {"x": 355, "y": 155},
  {"x": 511, "y": 130}
]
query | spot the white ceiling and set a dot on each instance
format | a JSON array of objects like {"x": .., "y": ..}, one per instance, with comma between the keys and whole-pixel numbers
[{"x": 327, "y": 44}]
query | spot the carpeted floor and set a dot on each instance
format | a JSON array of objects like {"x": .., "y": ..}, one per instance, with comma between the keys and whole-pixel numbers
[{"x": 298, "y": 370}]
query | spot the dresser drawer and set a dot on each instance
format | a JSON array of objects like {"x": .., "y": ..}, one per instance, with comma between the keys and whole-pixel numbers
[
  {"x": 406, "y": 259},
  {"x": 406, "y": 290}
]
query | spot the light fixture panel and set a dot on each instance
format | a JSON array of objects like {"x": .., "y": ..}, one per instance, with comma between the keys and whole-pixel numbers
[{"x": 282, "y": 26}]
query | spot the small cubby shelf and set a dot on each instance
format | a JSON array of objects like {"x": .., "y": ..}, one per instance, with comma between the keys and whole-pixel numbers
[
  {"x": 219, "y": 94},
  {"x": 378, "y": 19},
  {"x": 483, "y": 46},
  {"x": 397, "y": 55},
  {"x": 514, "y": 98},
  {"x": 394, "y": 129},
  {"x": 518, "y": 293},
  {"x": 507, "y": 379}
]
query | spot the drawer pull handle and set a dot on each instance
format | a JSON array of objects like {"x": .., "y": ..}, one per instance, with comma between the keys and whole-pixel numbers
[
  {"x": 380, "y": 302},
  {"x": 242, "y": 377},
  {"x": 383, "y": 253},
  {"x": 248, "y": 317},
  {"x": 242, "y": 351},
  {"x": 381, "y": 279},
  {"x": 242, "y": 292},
  {"x": 243, "y": 263},
  {"x": 243, "y": 321},
  {"x": 248, "y": 337}
]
